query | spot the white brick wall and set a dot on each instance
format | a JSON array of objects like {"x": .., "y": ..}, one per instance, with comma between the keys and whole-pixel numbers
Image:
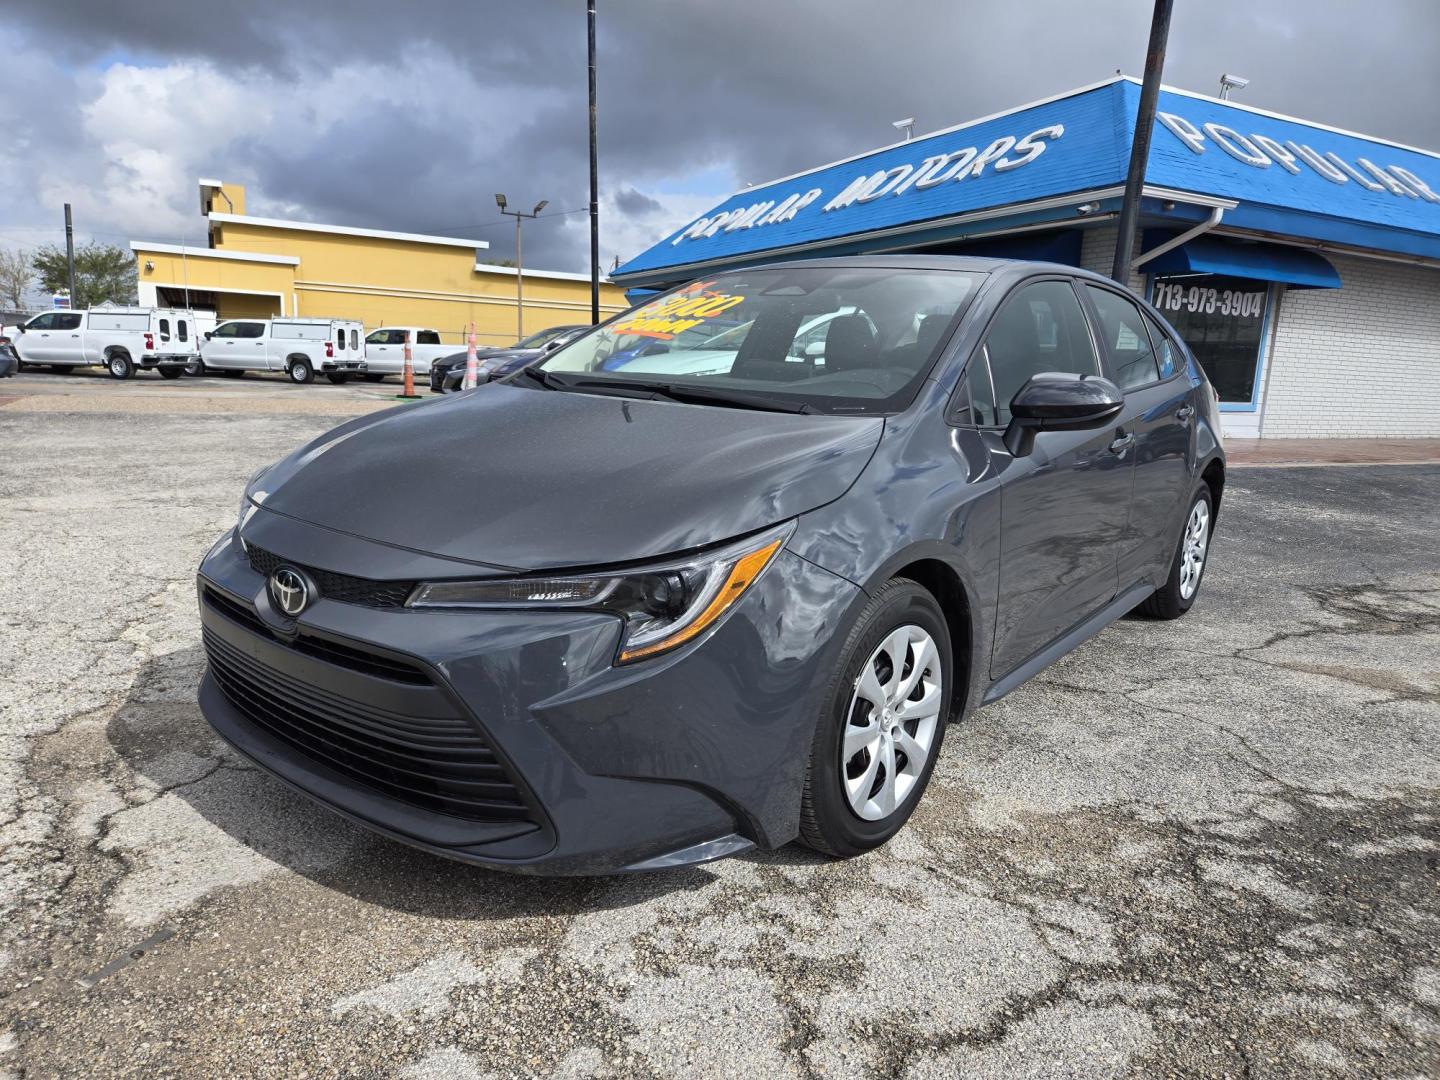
[
  {"x": 1097, "y": 253},
  {"x": 1361, "y": 360}
]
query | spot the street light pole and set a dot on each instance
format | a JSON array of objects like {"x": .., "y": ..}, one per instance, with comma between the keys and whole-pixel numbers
[
  {"x": 519, "y": 260},
  {"x": 1140, "y": 148},
  {"x": 70, "y": 254},
  {"x": 594, "y": 177}
]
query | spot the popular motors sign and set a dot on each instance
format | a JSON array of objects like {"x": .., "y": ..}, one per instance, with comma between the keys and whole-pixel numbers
[
  {"x": 1263, "y": 151},
  {"x": 907, "y": 178}
]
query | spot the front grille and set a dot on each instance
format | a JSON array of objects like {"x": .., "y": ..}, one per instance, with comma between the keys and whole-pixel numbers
[
  {"x": 437, "y": 762},
  {"x": 341, "y": 587},
  {"x": 361, "y": 660}
]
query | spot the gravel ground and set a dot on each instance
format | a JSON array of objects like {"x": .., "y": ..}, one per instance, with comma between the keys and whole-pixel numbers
[{"x": 1201, "y": 848}]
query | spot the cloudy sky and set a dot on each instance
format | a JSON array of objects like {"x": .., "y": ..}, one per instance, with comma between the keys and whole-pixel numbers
[{"x": 410, "y": 116}]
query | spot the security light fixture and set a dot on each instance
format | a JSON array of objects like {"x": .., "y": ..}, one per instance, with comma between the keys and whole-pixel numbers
[
  {"x": 907, "y": 126},
  {"x": 1230, "y": 82},
  {"x": 519, "y": 216},
  {"x": 541, "y": 205},
  {"x": 1087, "y": 208},
  {"x": 500, "y": 201}
]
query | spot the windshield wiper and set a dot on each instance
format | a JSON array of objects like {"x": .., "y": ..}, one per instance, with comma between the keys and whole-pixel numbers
[
  {"x": 540, "y": 377},
  {"x": 680, "y": 392}
]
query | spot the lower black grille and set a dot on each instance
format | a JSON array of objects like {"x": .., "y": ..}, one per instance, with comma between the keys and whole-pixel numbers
[
  {"x": 437, "y": 762},
  {"x": 342, "y": 587},
  {"x": 362, "y": 660}
]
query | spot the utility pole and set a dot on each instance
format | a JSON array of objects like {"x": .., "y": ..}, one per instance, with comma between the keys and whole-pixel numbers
[
  {"x": 70, "y": 253},
  {"x": 519, "y": 259},
  {"x": 1140, "y": 148},
  {"x": 594, "y": 176}
]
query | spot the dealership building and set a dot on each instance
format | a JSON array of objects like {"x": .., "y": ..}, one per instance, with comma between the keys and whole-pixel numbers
[
  {"x": 1300, "y": 262},
  {"x": 258, "y": 267}
]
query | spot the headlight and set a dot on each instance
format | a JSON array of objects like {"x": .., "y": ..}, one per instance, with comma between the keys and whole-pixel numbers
[{"x": 663, "y": 606}]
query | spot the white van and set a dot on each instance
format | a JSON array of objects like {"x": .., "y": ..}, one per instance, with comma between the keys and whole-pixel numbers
[
  {"x": 121, "y": 339},
  {"x": 385, "y": 351},
  {"x": 298, "y": 347}
]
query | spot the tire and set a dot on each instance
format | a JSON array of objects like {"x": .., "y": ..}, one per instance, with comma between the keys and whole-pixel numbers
[
  {"x": 20, "y": 366},
  {"x": 339, "y": 378},
  {"x": 1176, "y": 596},
  {"x": 300, "y": 371},
  {"x": 196, "y": 368},
  {"x": 832, "y": 819},
  {"x": 374, "y": 378},
  {"x": 119, "y": 364},
  {"x": 171, "y": 372}
]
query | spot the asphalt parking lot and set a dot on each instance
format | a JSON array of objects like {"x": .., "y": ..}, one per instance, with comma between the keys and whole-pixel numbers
[{"x": 1202, "y": 848}]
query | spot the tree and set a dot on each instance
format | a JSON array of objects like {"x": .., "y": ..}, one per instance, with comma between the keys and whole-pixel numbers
[
  {"x": 15, "y": 277},
  {"x": 103, "y": 272}
]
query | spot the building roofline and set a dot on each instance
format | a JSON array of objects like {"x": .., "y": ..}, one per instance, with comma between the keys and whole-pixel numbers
[
  {"x": 1230, "y": 103},
  {"x": 213, "y": 253},
  {"x": 557, "y": 275},
  {"x": 348, "y": 230}
]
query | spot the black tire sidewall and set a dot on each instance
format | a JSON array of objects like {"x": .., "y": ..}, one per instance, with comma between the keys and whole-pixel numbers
[
  {"x": 298, "y": 366},
  {"x": 843, "y": 833},
  {"x": 127, "y": 364}
]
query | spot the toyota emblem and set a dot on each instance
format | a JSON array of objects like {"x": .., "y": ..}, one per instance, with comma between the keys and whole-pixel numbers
[{"x": 289, "y": 590}]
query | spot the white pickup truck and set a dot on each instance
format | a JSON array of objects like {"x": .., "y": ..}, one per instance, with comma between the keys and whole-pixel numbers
[
  {"x": 298, "y": 347},
  {"x": 121, "y": 340},
  {"x": 385, "y": 350}
]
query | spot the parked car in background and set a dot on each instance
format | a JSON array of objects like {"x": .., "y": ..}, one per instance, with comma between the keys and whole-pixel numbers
[
  {"x": 121, "y": 339},
  {"x": 448, "y": 373},
  {"x": 9, "y": 359},
  {"x": 685, "y": 616},
  {"x": 298, "y": 347},
  {"x": 385, "y": 351}
]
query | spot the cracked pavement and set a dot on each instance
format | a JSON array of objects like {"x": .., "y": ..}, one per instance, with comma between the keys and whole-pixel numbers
[{"x": 1202, "y": 848}]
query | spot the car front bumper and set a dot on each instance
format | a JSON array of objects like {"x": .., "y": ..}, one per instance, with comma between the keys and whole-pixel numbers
[{"x": 592, "y": 768}]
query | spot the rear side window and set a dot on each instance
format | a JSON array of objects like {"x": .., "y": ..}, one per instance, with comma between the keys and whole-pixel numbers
[
  {"x": 355, "y": 339},
  {"x": 248, "y": 330},
  {"x": 1040, "y": 328},
  {"x": 1123, "y": 335},
  {"x": 427, "y": 337},
  {"x": 164, "y": 329},
  {"x": 67, "y": 320},
  {"x": 180, "y": 330},
  {"x": 1167, "y": 355}
]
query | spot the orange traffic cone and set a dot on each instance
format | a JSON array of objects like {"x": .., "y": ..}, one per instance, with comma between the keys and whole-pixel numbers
[
  {"x": 472, "y": 366},
  {"x": 409, "y": 375}
]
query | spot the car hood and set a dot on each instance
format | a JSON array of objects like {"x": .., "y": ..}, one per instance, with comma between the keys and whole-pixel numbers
[{"x": 514, "y": 478}]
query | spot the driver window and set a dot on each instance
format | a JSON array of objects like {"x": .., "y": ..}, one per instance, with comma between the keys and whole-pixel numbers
[
  {"x": 42, "y": 322},
  {"x": 1040, "y": 328}
]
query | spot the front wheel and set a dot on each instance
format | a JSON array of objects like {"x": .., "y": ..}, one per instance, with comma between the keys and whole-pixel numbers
[
  {"x": 884, "y": 718},
  {"x": 301, "y": 371},
  {"x": 120, "y": 365},
  {"x": 1175, "y": 597}
]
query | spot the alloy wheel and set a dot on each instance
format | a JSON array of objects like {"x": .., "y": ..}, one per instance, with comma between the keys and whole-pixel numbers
[
  {"x": 1192, "y": 548},
  {"x": 890, "y": 726}
]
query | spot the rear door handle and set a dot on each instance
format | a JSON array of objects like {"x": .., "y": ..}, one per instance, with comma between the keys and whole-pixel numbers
[{"x": 1122, "y": 443}]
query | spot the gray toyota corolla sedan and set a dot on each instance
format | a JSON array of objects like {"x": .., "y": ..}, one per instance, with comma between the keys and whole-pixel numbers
[{"x": 729, "y": 594}]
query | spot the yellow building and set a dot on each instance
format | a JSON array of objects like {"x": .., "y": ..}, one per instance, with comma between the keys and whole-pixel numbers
[{"x": 262, "y": 267}]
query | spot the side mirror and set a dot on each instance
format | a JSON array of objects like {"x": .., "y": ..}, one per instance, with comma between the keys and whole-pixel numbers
[
  {"x": 207, "y": 335},
  {"x": 20, "y": 329},
  {"x": 1060, "y": 401}
]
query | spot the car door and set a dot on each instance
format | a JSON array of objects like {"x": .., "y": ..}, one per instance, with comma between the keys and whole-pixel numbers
[
  {"x": 1158, "y": 413},
  {"x": 380, "y": 351},
  {"x": 35, "y": 345},
  {"x": 67, "y": 338},
  {"x": 220, "y": 348},
  {"x": 1064, "y": 505}
]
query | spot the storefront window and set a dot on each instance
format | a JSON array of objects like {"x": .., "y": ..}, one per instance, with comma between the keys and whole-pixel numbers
[{"x": 1222, "y": 319}]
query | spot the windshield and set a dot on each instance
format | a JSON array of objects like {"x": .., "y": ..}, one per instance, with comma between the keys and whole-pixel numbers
[
  {"x": 540, "y": 337},
  {"x": 838, "y": 339}
]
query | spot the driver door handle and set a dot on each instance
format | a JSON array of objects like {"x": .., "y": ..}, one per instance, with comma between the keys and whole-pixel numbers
[{"x": 1122, "y": 442}]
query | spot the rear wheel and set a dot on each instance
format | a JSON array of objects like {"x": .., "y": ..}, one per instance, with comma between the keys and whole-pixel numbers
[
  {"x": 119, "y": 364},
  {"x": 339, "y": 378},
  {"x": 171, "y": 372},
  {"x": 1175, "y": 597},
  {"x": 883, "y": 722},
  {"x": 300, "y": 370}
]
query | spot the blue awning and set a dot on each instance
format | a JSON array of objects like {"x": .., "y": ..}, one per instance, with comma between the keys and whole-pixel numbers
[{"x": 1296, "y": 267}]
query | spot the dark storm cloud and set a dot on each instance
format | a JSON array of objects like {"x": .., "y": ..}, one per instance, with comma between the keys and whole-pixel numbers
[{"x": 745, "y": 90}]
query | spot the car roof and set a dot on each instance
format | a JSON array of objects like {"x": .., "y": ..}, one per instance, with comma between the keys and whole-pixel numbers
[{"x": 911, "y": 261}]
